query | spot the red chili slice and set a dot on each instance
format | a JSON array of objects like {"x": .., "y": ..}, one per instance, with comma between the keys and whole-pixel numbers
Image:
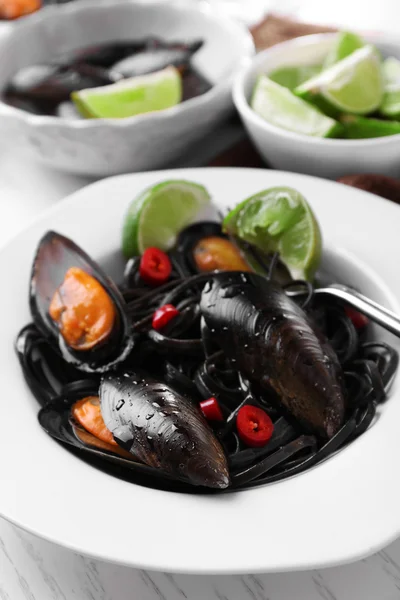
[
  {"x": 254, "y": 426},
  {"x": 155, "y": 266},
  {"x": 211, "y": 409},
  {"x": 164, "y": 315},
  {"x": 359, "y": 320}
]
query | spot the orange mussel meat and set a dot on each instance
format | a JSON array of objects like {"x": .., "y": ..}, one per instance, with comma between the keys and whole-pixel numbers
[{"x": 83, "y": 310}]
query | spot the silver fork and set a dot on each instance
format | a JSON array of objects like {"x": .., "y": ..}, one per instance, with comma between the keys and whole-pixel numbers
[{"x": 381, "y": 315}]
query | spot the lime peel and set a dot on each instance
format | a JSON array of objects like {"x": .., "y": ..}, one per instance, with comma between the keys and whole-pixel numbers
[{"x": 357, "y": 128}]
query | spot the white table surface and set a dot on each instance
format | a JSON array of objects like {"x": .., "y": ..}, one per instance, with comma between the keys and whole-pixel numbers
[{"x": 32, "y": 569}]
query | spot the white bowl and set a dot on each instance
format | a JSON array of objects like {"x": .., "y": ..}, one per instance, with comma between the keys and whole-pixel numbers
[
  {"x": 283, "y": 149},
  {"x": 101, "y": 147}
]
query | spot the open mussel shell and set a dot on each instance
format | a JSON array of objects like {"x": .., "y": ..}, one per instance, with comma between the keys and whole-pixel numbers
[
  {"x": 56, "y": 420},
  {"x": 151, "y": 61},
  {"x": 163, "y": 429},
  {"x": 156, "y": 56},
  {"x": 45, "y": 86},
  {"x": 105, "y": 55},
  {"x": 54, "y": 256},
  {"x": 187, "y": 240}
]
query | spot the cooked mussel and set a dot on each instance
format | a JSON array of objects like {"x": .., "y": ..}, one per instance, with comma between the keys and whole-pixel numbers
[
  {"x": 155, "y": 57},
  {"x": 74, "y": 304},
  {"x": 163, "y": 429},
  {"x": 138, "y": 423},
  {"x": 274, "y": 343},
  {"x": 108, "y": 55},
  {"x": 202, "y": 247},
  {"x": 57, "y": 419},
  {"x": 46, "y": 86}
]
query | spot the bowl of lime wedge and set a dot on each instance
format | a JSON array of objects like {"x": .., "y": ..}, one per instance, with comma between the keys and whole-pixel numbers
[
  {"x": 115, "y": 86},
  {"x": 325, "y": 104}
]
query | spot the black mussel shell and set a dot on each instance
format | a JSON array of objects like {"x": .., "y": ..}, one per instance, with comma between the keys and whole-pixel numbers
[
  {"x": 47, "y": 85},
  {"x": 27, "y": 105},
  {"x": 163, "y": 429},
  {"x": 187, "y": 240},
  {"x": 56, "y": 420},
  {"x": 156, "y": 56},
  {"x": 274, "y": 343},
  {"x": 105, "y": 55},
  {"x": 150, "y": 61},
  {"x": 54, "y": 256},
  {"x": 194, "y": 84}
]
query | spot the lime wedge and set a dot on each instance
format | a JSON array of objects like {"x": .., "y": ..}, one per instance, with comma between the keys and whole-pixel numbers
[
  {"x": 157, "y": 215},
  {"x": 280, "y": 220},
  {"x": 280, "y": 107},
  {"x": 390, "y": 106},
  {"x": 292, "y": 77},
  {"x": 132, "y": 96},
  {"x": 345, "y": 44},
  {"x": 356, "y": 128},
  {"x": 391, "y": 70},
  {"x": 353, "y": 85}
]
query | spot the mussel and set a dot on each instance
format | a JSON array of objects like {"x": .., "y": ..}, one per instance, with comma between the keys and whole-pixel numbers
[
  {"x": 106, "y": 55},
  {"x": 139, "y": 423},
  {"x": 46, "y": 86},
  {"x": 151, "y": 53},
  {"x": 163, "y": 429},
  {"x": 76, "y": 306},
  {"x": 157, "y": 56},
  {"x": 202, "y": 247},
  {"x": 273, "y": 342},
  {"x": 57, "y": 419}
]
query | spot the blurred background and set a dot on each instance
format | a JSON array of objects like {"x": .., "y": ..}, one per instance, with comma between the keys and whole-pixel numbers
[{"x": 374, "y": 15}]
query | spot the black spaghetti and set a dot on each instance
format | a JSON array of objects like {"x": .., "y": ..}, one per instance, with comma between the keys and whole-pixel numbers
[{"x": 236, "y": 337}]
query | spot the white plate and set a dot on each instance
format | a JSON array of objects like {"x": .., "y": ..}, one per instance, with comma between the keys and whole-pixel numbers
[{"x": 340, "y": 511}]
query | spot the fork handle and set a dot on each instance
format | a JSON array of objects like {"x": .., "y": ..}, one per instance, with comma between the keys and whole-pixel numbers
[{"x": 381, "y": 315}]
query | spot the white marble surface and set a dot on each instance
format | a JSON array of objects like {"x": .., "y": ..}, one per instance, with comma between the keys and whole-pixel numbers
[{"x": 32, "y": 569}]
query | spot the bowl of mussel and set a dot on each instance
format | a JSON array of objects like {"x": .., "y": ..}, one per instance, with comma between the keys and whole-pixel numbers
[{"x": 112, "y": 87}]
